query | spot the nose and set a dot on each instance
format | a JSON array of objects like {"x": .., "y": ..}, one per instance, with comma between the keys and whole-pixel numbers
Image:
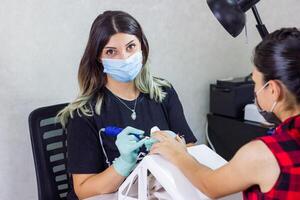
[{"x": 124, "y": 55}]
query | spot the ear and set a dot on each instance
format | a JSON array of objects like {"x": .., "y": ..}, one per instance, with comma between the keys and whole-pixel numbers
[{"x": 276, "y": 90}]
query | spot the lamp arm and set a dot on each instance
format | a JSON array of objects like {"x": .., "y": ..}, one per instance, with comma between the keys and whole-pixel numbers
[{"x": 260, "y": 26}]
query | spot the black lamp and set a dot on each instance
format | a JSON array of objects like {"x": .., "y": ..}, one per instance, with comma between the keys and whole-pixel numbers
[{"x": 231, "y": 14}]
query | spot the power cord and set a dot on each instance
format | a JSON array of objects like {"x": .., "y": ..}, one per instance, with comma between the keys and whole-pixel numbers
[{"x": 207, "y": 137}]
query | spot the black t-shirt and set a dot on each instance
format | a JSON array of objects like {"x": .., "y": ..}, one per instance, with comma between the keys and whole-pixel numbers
[{"x": 85, "y": 153}]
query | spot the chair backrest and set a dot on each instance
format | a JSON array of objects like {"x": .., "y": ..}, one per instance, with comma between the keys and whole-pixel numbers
[{"x": 49, "y": 146}]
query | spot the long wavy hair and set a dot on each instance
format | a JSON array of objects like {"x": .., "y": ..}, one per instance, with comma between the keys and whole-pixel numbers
[{"x": 92, "y": 79}]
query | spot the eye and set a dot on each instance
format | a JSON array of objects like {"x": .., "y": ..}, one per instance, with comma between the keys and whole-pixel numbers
[
  {"x": 131, "y": 47},
  {"x": 110, "y": 52}
]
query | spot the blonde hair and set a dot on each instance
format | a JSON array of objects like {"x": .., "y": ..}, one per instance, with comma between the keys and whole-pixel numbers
[{"x": 144, "y": 82}]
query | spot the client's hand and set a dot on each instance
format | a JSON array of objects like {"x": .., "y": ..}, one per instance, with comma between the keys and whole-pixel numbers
[
  {"x": 169, "y": 147},
  {"x": 149, "y": 142}
]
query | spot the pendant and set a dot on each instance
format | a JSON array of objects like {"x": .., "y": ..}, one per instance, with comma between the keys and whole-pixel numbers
[{"x": 133, "y": 115}]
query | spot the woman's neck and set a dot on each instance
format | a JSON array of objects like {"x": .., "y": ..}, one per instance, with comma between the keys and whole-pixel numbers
[
  {"x": 127, "y": 91},
  {"x": 284, "y": 115}
]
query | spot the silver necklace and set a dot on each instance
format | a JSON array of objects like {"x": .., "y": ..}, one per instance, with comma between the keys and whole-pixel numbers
[{"x": 133, "y": 115}]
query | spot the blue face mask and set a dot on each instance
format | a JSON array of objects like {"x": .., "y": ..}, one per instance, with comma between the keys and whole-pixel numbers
[{"x": 124, "y": 70}]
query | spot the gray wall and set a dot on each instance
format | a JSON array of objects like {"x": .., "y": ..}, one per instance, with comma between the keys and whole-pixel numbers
[{"x": 41, "y": 43}]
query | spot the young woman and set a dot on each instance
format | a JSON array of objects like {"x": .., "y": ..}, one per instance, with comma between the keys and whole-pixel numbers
[
  {"x": 116, "y": 89},
  {"x": 268, "y": 167}
]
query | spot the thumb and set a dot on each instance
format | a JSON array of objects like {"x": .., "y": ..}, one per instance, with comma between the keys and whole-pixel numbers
[
  {"x": 139, "y": 144},
  {"x": 129, "y": 130}
]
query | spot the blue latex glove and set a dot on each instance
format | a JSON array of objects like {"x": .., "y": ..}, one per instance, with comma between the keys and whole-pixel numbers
[
  {"x": 149, "y": 142},
  {"x": 128, "y": 146}
]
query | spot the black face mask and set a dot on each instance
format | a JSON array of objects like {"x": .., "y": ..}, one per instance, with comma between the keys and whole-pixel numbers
[{"x": 268, "y": 116}]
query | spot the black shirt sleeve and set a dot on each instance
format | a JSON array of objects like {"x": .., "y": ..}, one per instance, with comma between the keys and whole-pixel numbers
[
  {"x": 84, "y": 150},
  {"x": 176, "y": 118}
]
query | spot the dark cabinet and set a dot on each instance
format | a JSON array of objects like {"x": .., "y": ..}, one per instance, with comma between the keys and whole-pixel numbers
[{"x": 228, "y": 134}]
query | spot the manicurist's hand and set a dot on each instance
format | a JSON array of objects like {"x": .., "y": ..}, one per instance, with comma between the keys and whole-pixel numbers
[{"x": 128, "y": 146}]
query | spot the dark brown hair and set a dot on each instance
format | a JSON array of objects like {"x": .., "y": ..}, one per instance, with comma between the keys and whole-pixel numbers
[
  {"x": 90, "y": 75},
  {"x": 92, "y": 79},
  {"x": 277, "y": 57}
]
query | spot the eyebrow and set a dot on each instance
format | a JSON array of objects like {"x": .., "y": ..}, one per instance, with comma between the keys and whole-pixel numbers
[
  {"x": 116, "y": 48},
  {"x": 129, "y": 42},
  {"x": 110, "y": 48}
]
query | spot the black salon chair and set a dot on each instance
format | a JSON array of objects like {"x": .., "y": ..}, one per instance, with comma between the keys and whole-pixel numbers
[{"x": 49, "y": 147}]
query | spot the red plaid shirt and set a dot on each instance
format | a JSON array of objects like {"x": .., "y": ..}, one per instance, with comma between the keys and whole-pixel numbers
[{"x": 285, "y": 145}]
